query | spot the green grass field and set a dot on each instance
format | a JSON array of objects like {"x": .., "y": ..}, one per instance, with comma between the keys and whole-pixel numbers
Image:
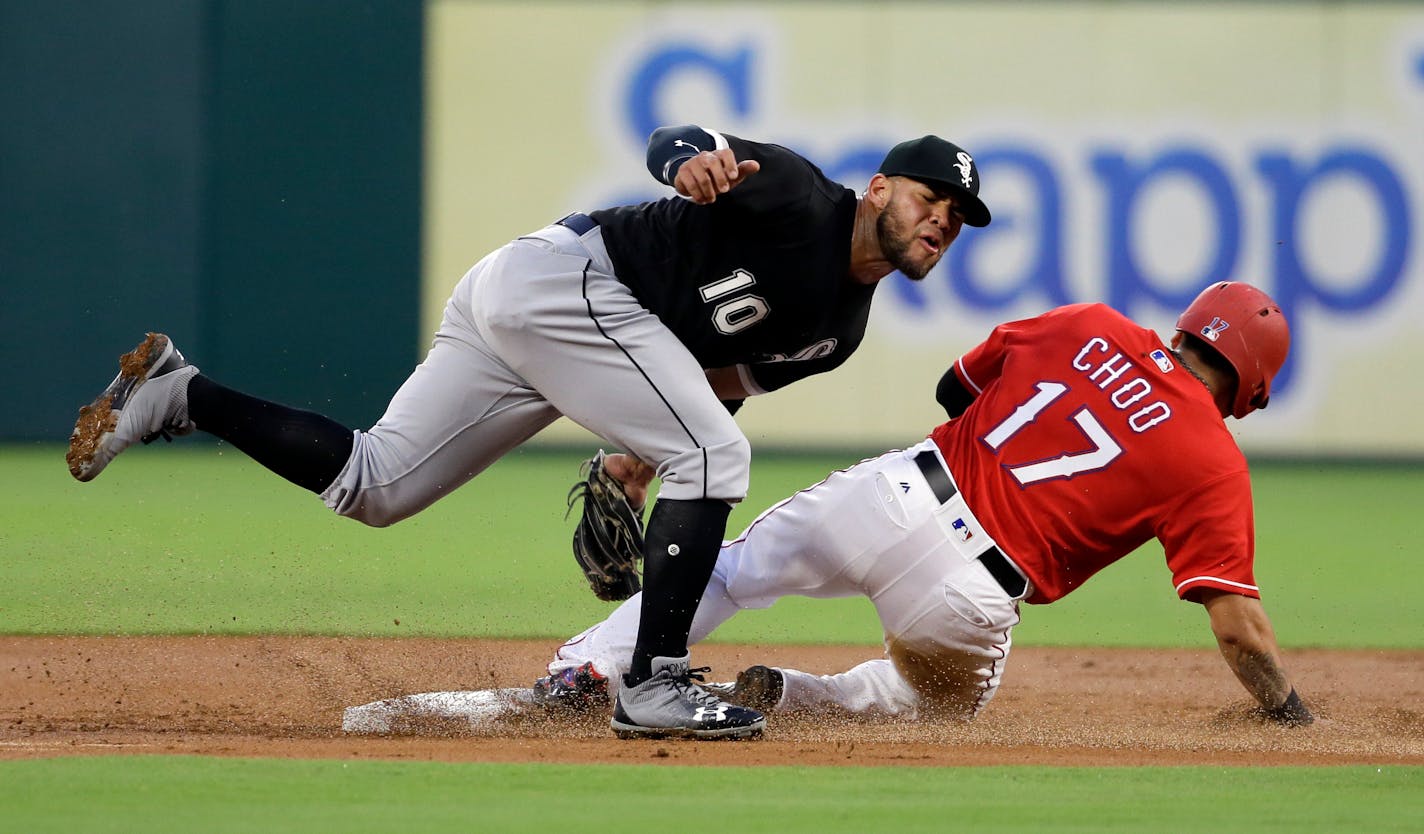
[
  {"x": 160, "y": 795},
  {"x": 192, "y": 539},
  {"x": 196, "y": 539}
]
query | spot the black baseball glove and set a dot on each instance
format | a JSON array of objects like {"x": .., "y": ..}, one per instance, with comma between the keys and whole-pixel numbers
[{"x": 608, "y": 542}]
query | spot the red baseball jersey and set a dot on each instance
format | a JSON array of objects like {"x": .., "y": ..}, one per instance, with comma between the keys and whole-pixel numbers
[{"x": 1086, "y": 438}]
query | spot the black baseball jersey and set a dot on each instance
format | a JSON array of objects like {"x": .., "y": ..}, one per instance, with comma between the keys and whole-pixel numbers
[{"x": 761, "y": 276}]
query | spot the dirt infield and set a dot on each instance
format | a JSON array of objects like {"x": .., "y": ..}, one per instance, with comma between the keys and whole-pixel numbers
[{"x": 284, "y": 696}]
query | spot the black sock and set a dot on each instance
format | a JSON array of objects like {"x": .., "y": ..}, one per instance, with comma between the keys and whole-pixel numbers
[
  {"x": 302, "y": 446},
  {"x": 673, "y": 582}
]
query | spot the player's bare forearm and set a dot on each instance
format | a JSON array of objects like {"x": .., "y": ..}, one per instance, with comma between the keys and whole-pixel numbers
[
  {"x": 1260, "y": 672},
  {"x": 727, "y": 383},
  {"x": 1248, "y": 644}
]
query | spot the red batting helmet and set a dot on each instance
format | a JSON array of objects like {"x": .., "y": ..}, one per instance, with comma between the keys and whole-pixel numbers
[{"x": 1249, "y": 330}]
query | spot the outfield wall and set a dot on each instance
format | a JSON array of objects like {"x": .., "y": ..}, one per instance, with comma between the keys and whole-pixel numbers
[
  {"x": 242, "y": 175},
  {"x": 291, "y": 189}
]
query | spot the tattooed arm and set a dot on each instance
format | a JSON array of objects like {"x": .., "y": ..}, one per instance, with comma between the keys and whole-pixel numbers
[{"x": 1247, "y": 641}]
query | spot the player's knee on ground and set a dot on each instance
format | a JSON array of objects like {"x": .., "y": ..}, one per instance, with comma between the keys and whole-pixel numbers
[
  {"x": 950, "y": 683},
  {"x": 721, "y": 471}
]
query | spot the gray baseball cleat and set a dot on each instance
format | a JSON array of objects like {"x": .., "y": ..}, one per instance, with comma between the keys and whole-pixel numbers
[
  {"x": 672, "y": 704},
  {"x": 148, "y": 399}
]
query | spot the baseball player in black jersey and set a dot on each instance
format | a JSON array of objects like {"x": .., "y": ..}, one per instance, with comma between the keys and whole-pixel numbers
[{"x": 645, "y": 324}]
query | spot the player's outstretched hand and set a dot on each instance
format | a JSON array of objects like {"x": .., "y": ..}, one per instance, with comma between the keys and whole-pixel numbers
[{"x": 711, "y": 173}]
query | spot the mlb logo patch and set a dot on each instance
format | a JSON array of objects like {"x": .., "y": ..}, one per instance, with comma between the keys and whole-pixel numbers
[
  {"x": 1162, "y": 359},
  {"x": 965, "y": 534}
]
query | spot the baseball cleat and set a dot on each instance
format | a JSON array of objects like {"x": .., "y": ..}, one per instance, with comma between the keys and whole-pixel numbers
[
  {"x": 575, "y": 690},
  {"x": 672, "y": 704},
  {"x": 760, "y": 687},
  {"x": 148, "y": 399},
  {"x": 757, "y": 687}
]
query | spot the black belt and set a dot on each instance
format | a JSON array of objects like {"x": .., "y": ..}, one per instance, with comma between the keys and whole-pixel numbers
[
  {"x": 579, "y": 224},
  {"x": 999, "y": 566}
]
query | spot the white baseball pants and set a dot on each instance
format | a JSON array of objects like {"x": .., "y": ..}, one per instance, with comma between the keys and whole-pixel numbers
[{"x": 874, "y": 530}]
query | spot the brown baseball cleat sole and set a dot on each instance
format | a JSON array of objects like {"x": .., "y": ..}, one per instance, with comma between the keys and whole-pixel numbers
[{"x": 98, "y": 420}]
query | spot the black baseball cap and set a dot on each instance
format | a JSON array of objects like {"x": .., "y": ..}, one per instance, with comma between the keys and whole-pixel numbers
[{"x": 931, "y": 159}]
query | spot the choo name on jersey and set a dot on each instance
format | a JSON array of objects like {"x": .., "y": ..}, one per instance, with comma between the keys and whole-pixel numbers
[{"x": 1126, "y": 383}]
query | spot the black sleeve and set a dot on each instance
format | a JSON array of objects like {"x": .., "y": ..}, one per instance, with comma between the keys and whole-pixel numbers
[
  {"x": 952, "y": 394},
  {"x": 771, "y": 376},
  {"x": 785, "y": 182},
  {"x": 786, "y": 178},
  {"x": 669, "y": 147},
  {"x": 733, "y": 406}
]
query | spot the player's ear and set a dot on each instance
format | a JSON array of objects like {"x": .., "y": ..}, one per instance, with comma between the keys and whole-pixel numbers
[
  {"x": 1177, "y": 340},
  {"x": 878, "y": 191}
]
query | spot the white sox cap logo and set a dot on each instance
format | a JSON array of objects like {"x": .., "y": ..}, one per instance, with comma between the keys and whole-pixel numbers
[{"x": 966, "y": 168}]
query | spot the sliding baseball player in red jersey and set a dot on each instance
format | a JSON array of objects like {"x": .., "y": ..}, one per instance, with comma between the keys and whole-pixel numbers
[{"x": 1074, "y": 437}]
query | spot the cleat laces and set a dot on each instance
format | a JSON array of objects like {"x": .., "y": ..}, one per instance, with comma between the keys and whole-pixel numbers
[{"x": 687, "y": 685}]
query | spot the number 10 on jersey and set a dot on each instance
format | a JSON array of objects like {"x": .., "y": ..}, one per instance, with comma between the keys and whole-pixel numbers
[{"x": 741, "y": 310}]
